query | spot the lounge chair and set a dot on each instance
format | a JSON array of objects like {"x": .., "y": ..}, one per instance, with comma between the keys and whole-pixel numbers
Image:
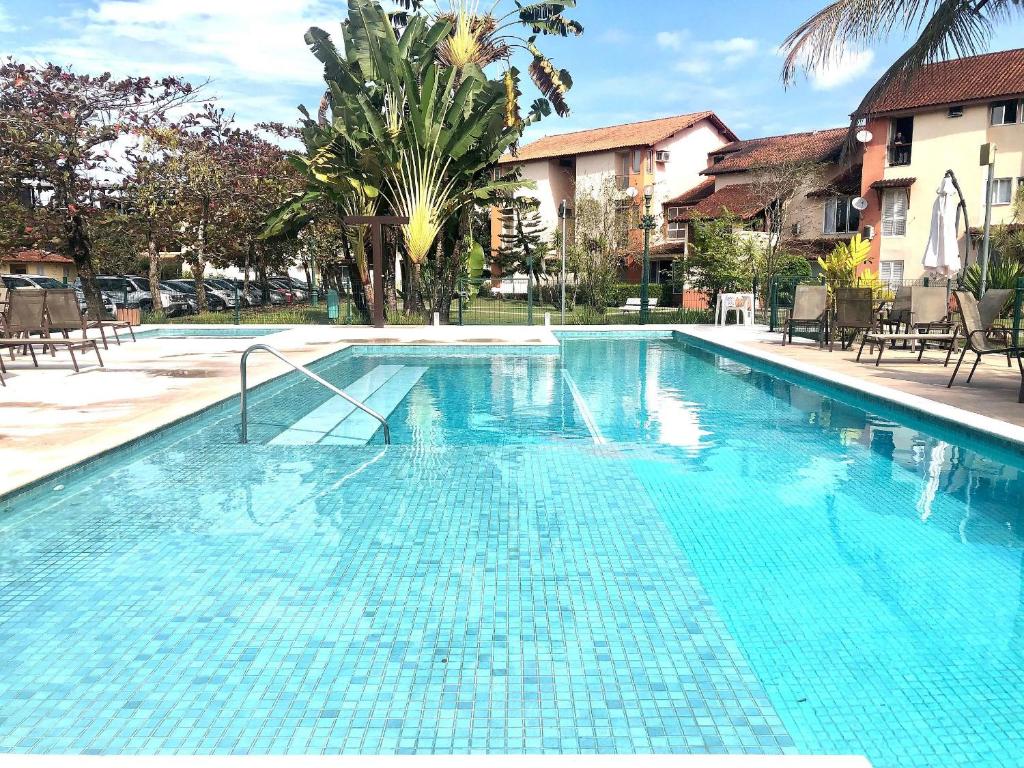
[
  {"x": 635, "y": 305},
  {"x": 26, "y": 318},
  {"x": 810, "y": 310},
  {"x": 983, "y": 341},
  {"x": 915, "y": 340},
  {"x": 64, "y": 315},
  {"x": 899, "y": 313},
  {"x": 855, "y": 311},
  {"x": 929, "y": 310},
  {"x": 992, "y": 305}
]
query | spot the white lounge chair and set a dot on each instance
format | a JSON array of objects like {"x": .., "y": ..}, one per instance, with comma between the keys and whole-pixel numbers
[{"x": 635, "y": 305}]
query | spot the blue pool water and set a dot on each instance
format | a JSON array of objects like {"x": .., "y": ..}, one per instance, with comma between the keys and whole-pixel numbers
[
  {"x": 225, "y": 332},
  {"x": 628, "y": 545}
]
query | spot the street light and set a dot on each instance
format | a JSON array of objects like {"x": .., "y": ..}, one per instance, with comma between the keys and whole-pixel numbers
[{"x": 648, "y": 225}]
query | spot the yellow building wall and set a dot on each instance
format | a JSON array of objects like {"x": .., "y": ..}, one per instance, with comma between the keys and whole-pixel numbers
[
  {"x": 62, "y": 272},
  {"x": 943, "y": 143}
]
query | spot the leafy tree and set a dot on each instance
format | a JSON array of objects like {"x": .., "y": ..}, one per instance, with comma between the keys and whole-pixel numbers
[
  {"x": 599, "y": 241},
  {"x": 60, "y": 130},
  {"x": 721, "y": 259},
  {"x": 523, "y": 245},
  {"x": 946, "y": 29},
  {"x": 409, "y": 135}
]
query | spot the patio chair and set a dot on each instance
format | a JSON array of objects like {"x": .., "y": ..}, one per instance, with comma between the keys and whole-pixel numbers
[
  {"x": 899, "y": 313},
  {"x": 810, "y": 310},
  {"x": 993, "y": 303},
  {"x": 65, "y": 315},
  {"x": 983, "y": 341},
  {"x": 26, "y": 318},
  {"x": 929, "y": 309},
  {"x": 855, "y": 311}
]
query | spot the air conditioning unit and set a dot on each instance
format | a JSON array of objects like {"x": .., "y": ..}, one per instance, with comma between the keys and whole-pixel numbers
[{"x": 662, "y": 155}]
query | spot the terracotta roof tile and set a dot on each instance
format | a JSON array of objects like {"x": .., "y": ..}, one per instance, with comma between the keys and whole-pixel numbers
[
  {"x": 956, "y": 81},
  {"x": 893, "y": 183},
  {"x": 643, "y": 134},
  {"x": 693, "y": 196},
  {"x": 36, "y": 257},
  {"x": 740, "y": 200},
  {"x": 758, "y": 153},
  {"x": 846, "y": 183}
]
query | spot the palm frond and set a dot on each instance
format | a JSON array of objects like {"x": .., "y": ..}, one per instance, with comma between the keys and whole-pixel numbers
[
  {"x": 551, "y": 82},
  {"x": 547, "y": 19}
]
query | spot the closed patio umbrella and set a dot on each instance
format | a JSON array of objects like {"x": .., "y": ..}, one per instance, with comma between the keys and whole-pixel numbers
[{"x": 943, "y": 251}]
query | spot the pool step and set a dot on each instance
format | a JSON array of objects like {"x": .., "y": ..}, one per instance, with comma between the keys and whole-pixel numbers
[
  {"x": 379, "y": 385},
  {"x": 358, "y": 427}
]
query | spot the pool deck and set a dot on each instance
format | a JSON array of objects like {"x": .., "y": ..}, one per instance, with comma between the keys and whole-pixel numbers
[{"x": 51, "y": 418}]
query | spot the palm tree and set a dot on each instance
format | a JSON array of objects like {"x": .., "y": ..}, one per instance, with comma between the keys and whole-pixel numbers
[
  {"x": 408, "y": 134},
  {"x": 946, "y": 29}
]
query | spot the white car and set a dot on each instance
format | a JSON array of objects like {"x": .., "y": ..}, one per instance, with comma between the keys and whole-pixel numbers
[{"x": 13, "y": 282}]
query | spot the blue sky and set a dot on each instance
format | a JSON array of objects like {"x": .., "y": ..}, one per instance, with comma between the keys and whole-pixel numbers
[{"x": 638, "y": 59}]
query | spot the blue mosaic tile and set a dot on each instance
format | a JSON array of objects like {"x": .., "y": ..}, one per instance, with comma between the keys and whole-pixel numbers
[{"x": 746, "y": 566}]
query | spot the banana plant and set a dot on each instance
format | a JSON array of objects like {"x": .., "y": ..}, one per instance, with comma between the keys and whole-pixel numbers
[{"x": 482, "y": 36}]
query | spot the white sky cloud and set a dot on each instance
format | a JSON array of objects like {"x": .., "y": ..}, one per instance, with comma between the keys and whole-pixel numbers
[
  {"x": 708, "y": 57},
  {"x": 614, "y": 36},
  {"x": 5, "y": 20},
  {"x": 672, "y": 41},
  {"x": 244, "y": 46},
  {"x": 842, "y": 69}
]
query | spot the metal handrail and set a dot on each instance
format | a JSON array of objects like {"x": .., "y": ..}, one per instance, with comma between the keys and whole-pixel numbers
[{"x": 305, "y": 372}]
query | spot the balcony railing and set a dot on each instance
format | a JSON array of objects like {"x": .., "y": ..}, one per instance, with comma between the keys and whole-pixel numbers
[{"x": 899, "y": 154}]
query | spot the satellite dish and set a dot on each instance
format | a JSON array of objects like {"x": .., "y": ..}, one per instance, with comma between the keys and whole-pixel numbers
[
  {"x": 864, "y": 136},
  {"x": 860, "y": 203}
]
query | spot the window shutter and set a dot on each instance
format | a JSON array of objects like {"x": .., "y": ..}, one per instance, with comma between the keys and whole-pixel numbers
[{"x": 830, "y": 216}]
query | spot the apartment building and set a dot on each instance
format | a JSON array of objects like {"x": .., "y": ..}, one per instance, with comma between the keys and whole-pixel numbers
[
  {"x": 668, "y": 154},
  {"x": 937, "y": 121},
  {"x": 747, "y": 178}
]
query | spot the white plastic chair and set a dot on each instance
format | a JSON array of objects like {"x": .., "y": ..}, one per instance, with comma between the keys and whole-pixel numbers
[{"x": 735, "y": 302}]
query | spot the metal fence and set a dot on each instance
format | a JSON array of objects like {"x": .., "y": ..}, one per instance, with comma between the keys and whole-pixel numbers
[
  {"x": 520, "y": 303},
  {"x": 783, "y": 291}
]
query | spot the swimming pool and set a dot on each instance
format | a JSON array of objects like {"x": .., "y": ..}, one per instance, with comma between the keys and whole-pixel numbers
[{"x": 622, "y": 545}]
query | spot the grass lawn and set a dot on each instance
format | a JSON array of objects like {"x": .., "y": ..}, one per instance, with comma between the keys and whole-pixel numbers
[{"x": 478, "y": 311}]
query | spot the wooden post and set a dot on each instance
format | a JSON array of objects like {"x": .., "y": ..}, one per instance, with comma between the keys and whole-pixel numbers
[{"x": 377, "y": 224}]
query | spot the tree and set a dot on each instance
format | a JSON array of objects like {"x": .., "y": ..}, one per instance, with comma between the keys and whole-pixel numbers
[
  {"x": 523, "y": 244},
  {"x": 65, "y": 127},
  {"x": 946, "y": 28},
  {"x": 409, "y": 135},
  {"x": 780, "y": 184},
  {"x": 599, "y": 241},
  {"x": 841, "y": 266},
  {"x": 722, "y": 258}
]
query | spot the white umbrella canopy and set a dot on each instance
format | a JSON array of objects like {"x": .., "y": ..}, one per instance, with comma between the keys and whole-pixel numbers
[{"x": 943, "y": 251}]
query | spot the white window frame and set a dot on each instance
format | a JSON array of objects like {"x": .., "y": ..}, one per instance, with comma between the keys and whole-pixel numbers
[
  {"x": 674, "y": 212},
  {"x": 894, "y": 221},
  {"x": 832, "y": 206},
  {"x": 891, "y": 272},
  {"x": 1005, "y": 183},
  {"x": 680, "y": 226}
]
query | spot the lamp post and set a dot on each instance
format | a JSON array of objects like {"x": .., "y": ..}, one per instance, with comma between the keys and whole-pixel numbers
[{"x": 647, "y": 225}]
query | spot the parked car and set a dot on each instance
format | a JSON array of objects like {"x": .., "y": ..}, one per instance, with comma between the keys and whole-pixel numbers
[
  {"x": 135, "y": 290},
  {"x": 49, "y": 283},
  {"x": 225, "y": 295},
  {"x": 188, "y": 287},
  {"x": 298, "y": 288},
  {"x": 255, "y": 293}
]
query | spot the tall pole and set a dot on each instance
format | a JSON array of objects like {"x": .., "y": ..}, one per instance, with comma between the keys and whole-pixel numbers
[
  {"x": 988, "y": 159},
  {"x": 565, "y": 217},
  {"x": 645, "y": 282},
  {"x": 986, "y": 243},
  {"x": 313, "y": 297}
]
